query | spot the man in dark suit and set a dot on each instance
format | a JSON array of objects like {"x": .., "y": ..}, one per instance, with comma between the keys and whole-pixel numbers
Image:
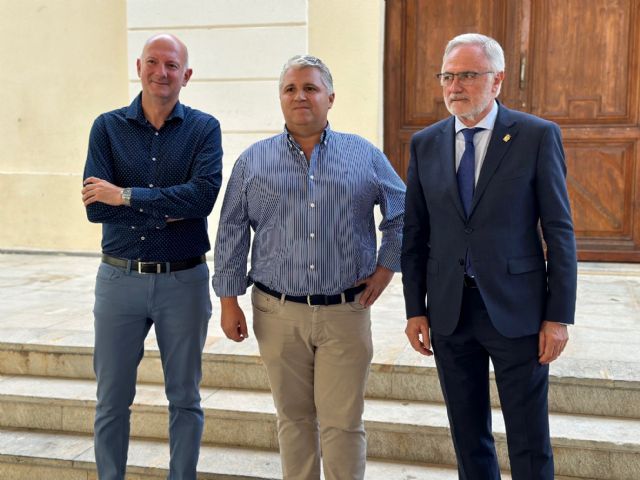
[{"x": 482, "y": 185}]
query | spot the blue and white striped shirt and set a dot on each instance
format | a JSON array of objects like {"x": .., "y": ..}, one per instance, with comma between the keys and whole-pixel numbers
[{"x": 313, "y": 223}]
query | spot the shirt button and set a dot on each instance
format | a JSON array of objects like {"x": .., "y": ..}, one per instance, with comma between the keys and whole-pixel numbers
[
  {"x": 468, "y": 230},
  {"x": 141, "y": 238},
  {"x": 312, "y": 205},
  {"x": 301, "y": 152},
  {"x": 311, "y": 177},
  {"x": 312, "y": 235},
  {"x": 151, "y": 185},
  {"x": 133, "y": 227},
  {"x": 166, "y": 216},
  {"x": 157, "y": 228},
  {"x": 312, "y": 267},
  {"x": 141, "y": 210},
  {"x": 154, "y": 159},
  {"x": 157, "y": 134}
]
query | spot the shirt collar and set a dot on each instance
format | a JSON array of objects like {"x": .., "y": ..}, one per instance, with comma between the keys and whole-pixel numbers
[
  {"x": 487, "y": 122},
  {"x": 293, "y": 145},
  {"x": 135, "y": 112}
]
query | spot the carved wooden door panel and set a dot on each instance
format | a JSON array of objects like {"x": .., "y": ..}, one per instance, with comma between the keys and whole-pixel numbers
[
  {"x": 585, "y": 77},
  {"x": 575, "y": 62}
]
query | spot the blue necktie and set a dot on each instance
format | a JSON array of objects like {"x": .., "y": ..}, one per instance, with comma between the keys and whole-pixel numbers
[
  {"x": 467, "y": 181},
  {"x": 467, "y": 169}
]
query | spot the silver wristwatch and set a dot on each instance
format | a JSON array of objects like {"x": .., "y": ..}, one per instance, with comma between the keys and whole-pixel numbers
[{"x": 126, "y": 196}]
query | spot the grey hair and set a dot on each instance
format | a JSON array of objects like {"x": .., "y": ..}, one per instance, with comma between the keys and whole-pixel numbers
[
  {"x": 304, "y": 61},
  {"x": 492, "y": 49}
]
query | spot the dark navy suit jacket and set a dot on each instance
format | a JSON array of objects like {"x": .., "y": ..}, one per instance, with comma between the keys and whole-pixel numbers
[{"x": 521, "y": 193}]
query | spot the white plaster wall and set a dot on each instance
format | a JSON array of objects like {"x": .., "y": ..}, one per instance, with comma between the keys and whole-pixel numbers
[
  {"x": 349, "y": 36},
  {"x": 65, "y": 63}
]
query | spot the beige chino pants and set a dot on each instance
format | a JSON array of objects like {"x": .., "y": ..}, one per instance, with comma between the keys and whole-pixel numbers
[{"x": 317, "y": 360}]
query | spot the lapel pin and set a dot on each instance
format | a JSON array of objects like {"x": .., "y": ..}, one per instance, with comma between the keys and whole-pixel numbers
[{"x": 506, "y": 138}]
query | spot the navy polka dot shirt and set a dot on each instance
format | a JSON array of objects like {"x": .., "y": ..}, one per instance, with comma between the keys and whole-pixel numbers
[{"x": 174, "y": 173}]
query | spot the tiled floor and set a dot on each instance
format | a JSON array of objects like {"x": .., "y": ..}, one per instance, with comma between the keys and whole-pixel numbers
[{"x": 47, "y": 298}]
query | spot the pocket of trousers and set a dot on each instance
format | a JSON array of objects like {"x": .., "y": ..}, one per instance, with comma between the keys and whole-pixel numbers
[
  {"x": 108, "y": 273},
  {"x": 356, "y": 306},
  {"x": 263, "y": 302},
  {"x": 191, "y": 276}
]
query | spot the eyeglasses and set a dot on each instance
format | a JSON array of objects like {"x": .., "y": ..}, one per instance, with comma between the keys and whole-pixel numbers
[{"x": 465, "y": 78}]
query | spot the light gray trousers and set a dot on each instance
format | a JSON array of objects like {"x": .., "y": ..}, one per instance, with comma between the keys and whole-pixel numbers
[{"x": 127, "y": 304}]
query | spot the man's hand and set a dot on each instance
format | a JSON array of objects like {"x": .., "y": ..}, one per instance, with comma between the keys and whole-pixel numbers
[
  {"x": 376, "y": 284},
  {"x": 417, "y": 332},
  {"x": 552, "y": 339},
  {"x": 232, "y": 320},
  {"x": 98, "y": 190}
]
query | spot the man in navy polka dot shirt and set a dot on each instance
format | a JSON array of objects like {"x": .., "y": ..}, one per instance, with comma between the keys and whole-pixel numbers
[{"x": 152, "y": 175}]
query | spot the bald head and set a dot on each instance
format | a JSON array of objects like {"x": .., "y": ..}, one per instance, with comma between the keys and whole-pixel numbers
[
  {"x": 167, "y": 38},
  {"x": 163, "y": 70}
]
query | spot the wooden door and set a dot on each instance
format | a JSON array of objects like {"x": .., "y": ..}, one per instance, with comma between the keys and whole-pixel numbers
[{"x": 575, "y": 62}]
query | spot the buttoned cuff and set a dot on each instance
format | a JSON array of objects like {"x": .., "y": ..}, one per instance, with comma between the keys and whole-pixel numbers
[
  {"x": 389, "y": 257},
  {"x": 230, "y": 285}
]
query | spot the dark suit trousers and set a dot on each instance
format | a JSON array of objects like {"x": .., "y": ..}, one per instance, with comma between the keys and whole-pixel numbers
[{"x": 462, "y": 359}]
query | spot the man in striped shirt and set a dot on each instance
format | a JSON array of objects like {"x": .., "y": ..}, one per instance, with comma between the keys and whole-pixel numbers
[{"x": 308, "y": 194}]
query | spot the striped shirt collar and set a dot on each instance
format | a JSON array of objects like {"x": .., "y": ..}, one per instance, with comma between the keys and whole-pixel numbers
[{"x": 293, "y": 145}]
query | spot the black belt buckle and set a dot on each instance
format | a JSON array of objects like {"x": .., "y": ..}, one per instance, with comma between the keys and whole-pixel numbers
[
  {"x": 142, "y": 267},
  {"x": 470, "y": 282},
  {"x": 323, "y": 300}
]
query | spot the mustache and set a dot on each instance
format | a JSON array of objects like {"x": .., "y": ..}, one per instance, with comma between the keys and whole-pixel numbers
[{"x": 454, "y": 97}]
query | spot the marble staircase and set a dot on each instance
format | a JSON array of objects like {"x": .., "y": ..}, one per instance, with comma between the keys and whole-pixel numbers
[{"x": 47, "y": 390}]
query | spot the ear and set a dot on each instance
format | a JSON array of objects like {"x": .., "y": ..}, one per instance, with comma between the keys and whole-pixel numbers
[
  {"x": 497, "y": 81},
  {"x": 332, "y": 97},
  {"x": 187, "y": 75},
  {"x": 138, "y": 66}
]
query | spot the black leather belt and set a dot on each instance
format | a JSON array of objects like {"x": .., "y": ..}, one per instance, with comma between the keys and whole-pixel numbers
[
  {"x": 316, "y": 300},
  {"x": 153, "y": 267},
  {"x": 470, "y": 282}
]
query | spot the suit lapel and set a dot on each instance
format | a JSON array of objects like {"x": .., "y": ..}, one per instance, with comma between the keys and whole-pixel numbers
[
  {"x": 504, "y": 132},
  {"x": 446, "y": 146}
]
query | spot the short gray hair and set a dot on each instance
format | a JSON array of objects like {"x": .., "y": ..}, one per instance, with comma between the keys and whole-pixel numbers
[
  {"x": 305, "y": 61},
  {"x": 492, "y": 49}
]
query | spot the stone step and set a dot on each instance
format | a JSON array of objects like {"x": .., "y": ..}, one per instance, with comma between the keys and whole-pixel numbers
[
  {"x": 585, "y": 446},
  {"x": 29, "y": 455},
  {"x": 571, "y": 393}
]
